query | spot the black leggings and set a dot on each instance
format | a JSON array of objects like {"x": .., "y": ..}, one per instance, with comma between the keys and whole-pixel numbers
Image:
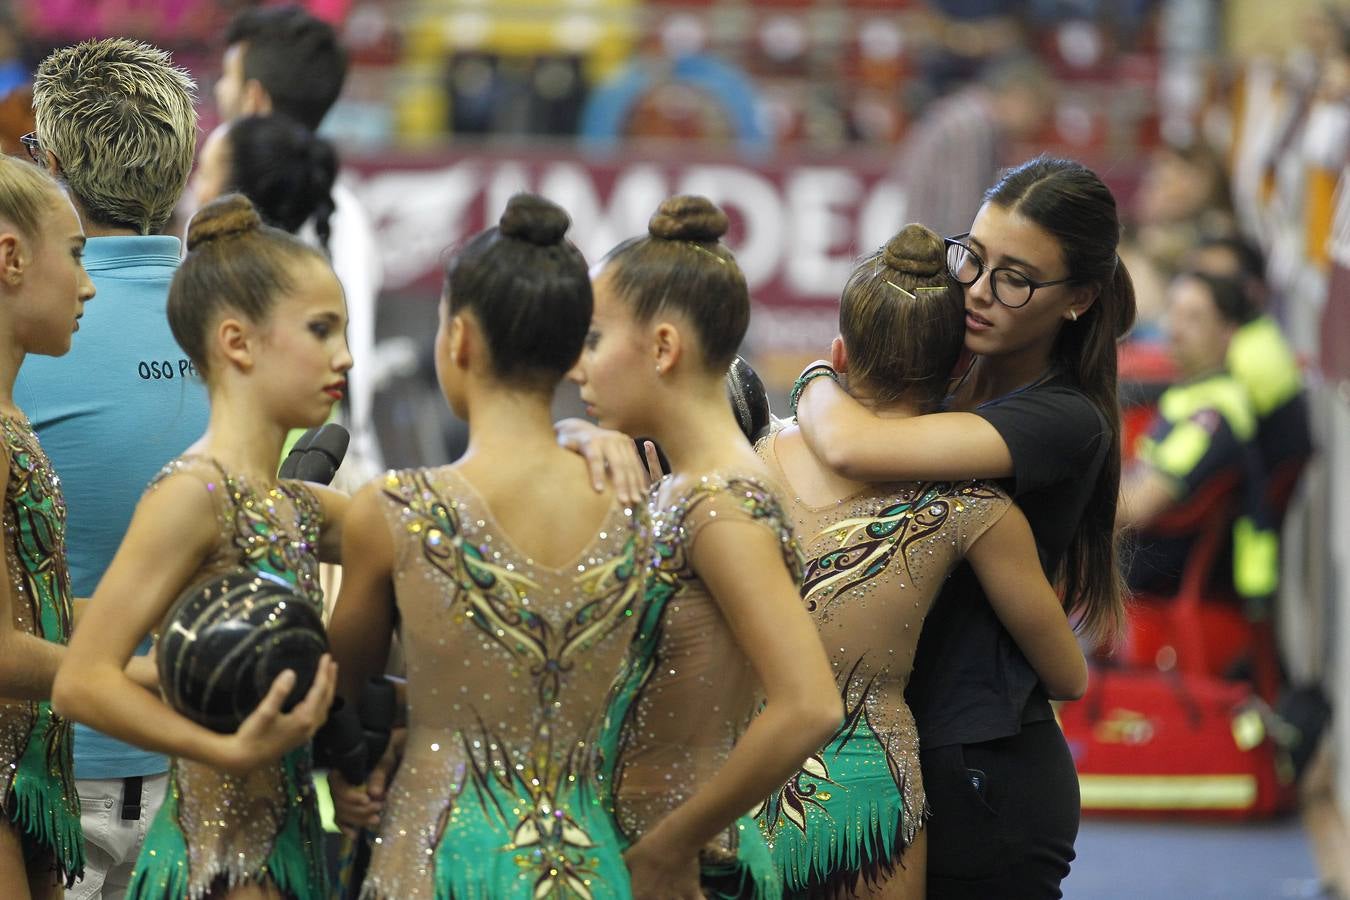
[{"x": 1004, "y": 816}]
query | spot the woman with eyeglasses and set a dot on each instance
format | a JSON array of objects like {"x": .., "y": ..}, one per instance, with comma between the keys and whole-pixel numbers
[
  {"x": 1046, "y": 300},
  {"x": 850, "y": 822}
]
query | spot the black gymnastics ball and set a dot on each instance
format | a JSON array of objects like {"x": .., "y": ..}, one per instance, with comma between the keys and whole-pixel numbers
[{"x": 226, "y": 640}]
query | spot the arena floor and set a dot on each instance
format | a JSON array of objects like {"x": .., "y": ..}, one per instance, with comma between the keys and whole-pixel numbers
[{"x": 1135, "y": 860}]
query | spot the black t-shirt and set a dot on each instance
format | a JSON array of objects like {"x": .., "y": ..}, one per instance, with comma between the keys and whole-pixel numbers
[{"x": 970, "y": 681}]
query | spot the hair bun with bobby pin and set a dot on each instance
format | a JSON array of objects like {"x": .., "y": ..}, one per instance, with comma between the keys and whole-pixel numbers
[
  {"x": 529, "y": 217},
  {"x": 226, "y": 217},
  {"x": 916, "y": 250},
  {"x": 688, "y": 218}
]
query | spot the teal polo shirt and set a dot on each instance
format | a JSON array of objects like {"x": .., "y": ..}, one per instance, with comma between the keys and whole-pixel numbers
[{"x": 110, "y": 413}]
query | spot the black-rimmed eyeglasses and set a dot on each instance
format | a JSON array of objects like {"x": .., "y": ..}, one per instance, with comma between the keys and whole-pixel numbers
[
  {"x": 1010, "y": 287},
  {"x": 30, "y": 143}
]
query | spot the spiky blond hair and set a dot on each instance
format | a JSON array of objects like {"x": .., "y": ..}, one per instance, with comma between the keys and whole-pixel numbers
[{"x": 119, "y": 117}]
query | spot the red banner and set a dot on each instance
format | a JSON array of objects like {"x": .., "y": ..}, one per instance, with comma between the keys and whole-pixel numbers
[{"x": 797, "y": 227}]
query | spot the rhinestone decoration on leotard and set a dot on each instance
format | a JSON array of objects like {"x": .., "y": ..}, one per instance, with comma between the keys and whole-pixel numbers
[
  {"x": 509, "y": 665},
  {"x": 688, "y": 689},
  {"x": 262, "y": 827},
  {"x": 37, "y": 788},
  {"x": 876, "y": 561}
]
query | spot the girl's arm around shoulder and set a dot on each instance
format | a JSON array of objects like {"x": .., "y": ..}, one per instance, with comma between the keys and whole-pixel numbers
[
  {"x": 28, "y": 664},
  {"x": 858, "y": 444},
  {"x": 1005, "y": 560},
  {"x": 363, "y": 619},
  {"x": 612, "y": 458},
  {"x": 334, "y": 504},
  {"x": 171, "y": 532}
]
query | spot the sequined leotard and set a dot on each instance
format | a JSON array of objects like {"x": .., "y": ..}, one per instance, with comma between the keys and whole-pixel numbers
[
  {"x": 37, "y": 788},
  {"x": 510, "y": 664},
  {"x": 876, "y": 561},
  {"x": 263, "y": 827},
  {"x": 688, "y": 690}
]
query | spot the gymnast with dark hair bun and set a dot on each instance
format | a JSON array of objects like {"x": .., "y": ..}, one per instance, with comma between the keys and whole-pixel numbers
[
  {"x": 516, "y": 589},
  {"x": 261, "y": 316},
  {"x": 724, "y": 633},
  {"x": 851, "y": 821},
  {"x": 285, "y": 169}
]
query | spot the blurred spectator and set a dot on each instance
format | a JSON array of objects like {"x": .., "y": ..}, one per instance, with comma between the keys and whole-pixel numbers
[
  {"x": 284, "y": 168},
  {"x": 1202, "y": 436},
  {"x": 1261, "y": 360},
  {"x": 1183, "y": 199},
  {"x": 281, "y": 59},
  {"x": 965, "y": 36},
  {"x": 955, "y": 151}
]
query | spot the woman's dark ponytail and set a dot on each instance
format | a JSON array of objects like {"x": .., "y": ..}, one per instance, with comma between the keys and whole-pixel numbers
[{"x": 1071, "y": 202}]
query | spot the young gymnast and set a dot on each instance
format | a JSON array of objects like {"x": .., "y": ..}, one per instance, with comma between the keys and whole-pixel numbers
[
  {"x": 43, "y": 289},
  {"x": 1046, "y": 299},
  {"x": 849, "y": 822},
  {"x": 515, "y": 588},
  {"x": 724, "y": 626},
  {"x": 261, "y": 316}
]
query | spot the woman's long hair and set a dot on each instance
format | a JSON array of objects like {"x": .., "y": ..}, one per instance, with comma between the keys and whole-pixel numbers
[{"x": 1070, "y": 202}]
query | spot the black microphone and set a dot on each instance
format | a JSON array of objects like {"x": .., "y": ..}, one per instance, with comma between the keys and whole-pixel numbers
[
  {"x": 353, "y": 739},
  {"x": 317, "y": 454}
]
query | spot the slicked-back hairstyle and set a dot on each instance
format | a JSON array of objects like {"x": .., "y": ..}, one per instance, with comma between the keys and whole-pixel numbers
[
  {"x": 234, "y": 263},
  {"x": 681, "y": 264},
  {"x": 26, "y": 194},
  {"x": 119, "y": 117},
  {"x": 903, "y": 320},
  {"x": 294, "y": 56},
  {"x": 528, "y": 287}
]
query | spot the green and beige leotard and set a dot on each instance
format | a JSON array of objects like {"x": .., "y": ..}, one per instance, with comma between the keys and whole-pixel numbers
[
  {"x": 216, "y": 829},
  {"x": 875, "y": 563},
  {"x": 688, "y": 690},
  {"x": 37, "y": 787},
  {"x": 510, "y": 664}
]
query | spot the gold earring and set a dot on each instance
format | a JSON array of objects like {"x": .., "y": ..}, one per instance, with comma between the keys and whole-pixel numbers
[{"x": 1073, "y": 315}]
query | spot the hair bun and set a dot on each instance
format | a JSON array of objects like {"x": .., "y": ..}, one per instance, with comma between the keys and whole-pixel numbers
[
  {"x": 532, "y": 218},
  {"x": 916, "y": 250},
  {"x": 229, "y": 216},
  {"x": 688, "y": 218}
]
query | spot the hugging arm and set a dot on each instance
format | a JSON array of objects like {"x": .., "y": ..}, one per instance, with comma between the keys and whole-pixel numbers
[
  {"x": 860, "y": 445},
  {"x": 1005, "y": 561}
]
